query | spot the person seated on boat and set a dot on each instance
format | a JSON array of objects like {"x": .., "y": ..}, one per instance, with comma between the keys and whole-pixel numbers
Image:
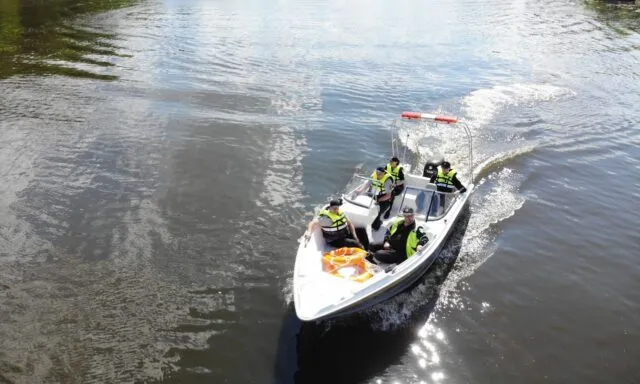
[
  {"x": 397, "y": 177},
  {"x": 337, "y": 230},
  {"x": 401, "y": 241}
]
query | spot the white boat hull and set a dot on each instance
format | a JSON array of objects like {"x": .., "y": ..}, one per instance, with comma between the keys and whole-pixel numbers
[{"x": 320, "y": 295}]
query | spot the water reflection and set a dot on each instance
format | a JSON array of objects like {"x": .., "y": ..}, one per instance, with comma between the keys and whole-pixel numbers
[
  {"x": 427, "y": 350},
  {"x": 37, "y": 38}
]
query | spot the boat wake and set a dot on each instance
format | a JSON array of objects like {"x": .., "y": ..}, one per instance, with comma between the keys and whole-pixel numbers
[
  {"x": 480, "y": 109},
  {"x": 483, "y": 105},
  {"x": 495, "y": 200}
]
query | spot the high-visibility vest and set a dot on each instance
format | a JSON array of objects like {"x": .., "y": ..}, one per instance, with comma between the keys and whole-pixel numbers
[
  {"x": 378, "y": 185},
  {"x": 338, "y": 227},
  {"x": 394, "y": 172},
  {"x": 412, "y": 239},
  {"x": 444, "y": 180}
]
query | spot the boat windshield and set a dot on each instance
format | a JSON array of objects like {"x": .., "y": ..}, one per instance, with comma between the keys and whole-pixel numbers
[
  {"x": 359, "y": 191},
  {"x": 427, "y": 202}
]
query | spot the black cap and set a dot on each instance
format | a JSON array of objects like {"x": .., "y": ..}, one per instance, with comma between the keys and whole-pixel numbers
[
  {"x": 394, "y": 158},
  {"x": 380, "y": 169},
  {"x": 446, "y": 164},
  {"x": 407, "y": 211},
  {"x": 335, "y": 203}
]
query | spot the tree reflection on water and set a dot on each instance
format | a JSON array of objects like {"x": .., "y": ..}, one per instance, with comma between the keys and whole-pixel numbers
[{"x": 38, "y": 38}]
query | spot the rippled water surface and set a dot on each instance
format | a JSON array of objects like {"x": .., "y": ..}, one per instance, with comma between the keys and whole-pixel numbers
[{"x": 159, "y": 160}]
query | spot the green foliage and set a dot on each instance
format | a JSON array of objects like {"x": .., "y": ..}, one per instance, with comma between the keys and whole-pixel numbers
[{"x": 622, "y": 16}]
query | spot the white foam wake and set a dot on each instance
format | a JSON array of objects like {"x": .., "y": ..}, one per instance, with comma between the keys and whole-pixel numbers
[
  {"x": 481, "y": 106},
  {"x": 496, "y": 197},
  {"x": 478, "y": 109}
]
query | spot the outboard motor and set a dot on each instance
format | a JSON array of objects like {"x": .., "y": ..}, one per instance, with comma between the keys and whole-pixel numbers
[{"x": 431, "y": 168}]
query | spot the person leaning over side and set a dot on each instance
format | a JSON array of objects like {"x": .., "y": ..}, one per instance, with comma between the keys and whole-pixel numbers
[
  {"x": 401, "y": 241},
  {"x": 337, "y": 230},
  {"x": 397, "y": 177}
]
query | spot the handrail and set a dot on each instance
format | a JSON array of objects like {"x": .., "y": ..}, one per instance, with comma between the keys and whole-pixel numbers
[
  {"x": 436, "y": 190},
  {"x": 347, "y": 196}
]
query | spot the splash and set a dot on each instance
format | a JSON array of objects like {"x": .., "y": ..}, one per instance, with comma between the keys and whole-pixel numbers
[
  {"x": 500, "y": 201},
  {"x": 287, "y": 290}
]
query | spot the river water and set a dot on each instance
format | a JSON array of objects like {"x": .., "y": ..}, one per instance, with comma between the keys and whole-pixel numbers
[{"x": 160, "y": 159}]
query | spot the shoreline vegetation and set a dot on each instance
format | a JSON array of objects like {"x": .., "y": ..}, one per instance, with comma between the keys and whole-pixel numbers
[
  {"x": 621, "y": 16},
  {"x": 41, "y": 38}
]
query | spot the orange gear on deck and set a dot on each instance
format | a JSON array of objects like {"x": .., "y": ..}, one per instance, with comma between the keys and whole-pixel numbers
[{"x": 347, "y": 257}]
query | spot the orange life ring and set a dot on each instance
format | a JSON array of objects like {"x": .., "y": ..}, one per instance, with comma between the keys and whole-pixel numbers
[{"x": 347, "y": 257}]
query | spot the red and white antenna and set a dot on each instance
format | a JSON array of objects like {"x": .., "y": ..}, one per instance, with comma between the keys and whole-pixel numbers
[{"x": 429, "y": 116}]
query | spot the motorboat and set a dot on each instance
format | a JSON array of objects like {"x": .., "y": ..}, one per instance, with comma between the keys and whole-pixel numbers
[{"x": 323, "y": 291}]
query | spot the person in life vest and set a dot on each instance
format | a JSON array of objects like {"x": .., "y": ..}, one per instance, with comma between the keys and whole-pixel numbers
[
  {"x": 401, "y": 241},
  {"x": 381, "y": 188},
  {"x": 397, "y": 177},
  {"x": 446, "y": 179},
  {"x": 337, "y": 230}
]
